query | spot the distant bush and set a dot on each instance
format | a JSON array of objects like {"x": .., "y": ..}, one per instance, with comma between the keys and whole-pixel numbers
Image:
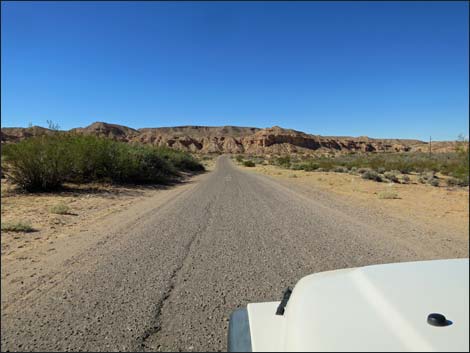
[
  {"x": 284, "y": 161},
  {"x": 405, "y": 179},
  {"x": 19, "y": 226},
  {"x": 363, "y": 170},
  {"x": 371, "y": 175},
  {"x": 46, "y": 162},
  {"x": 455, "y": 182},
  {"x": 239, "y": 158},
  {"x": 434, "y": 182},
  {"x": 388, "y": 195},
  {"x": 249, "y": 163},
  {"x": 309, "y": 166},
  {"x": 391, "y": 176},
  {"x": 60, "y": 208},
  {"x": 340, "y": 170}
]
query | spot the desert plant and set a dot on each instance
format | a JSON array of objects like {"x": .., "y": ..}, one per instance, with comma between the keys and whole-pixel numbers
[
  {"x": 391, "y": 176},
  {"x": 309, "y": 166},
  {"x": 284, "y": 161},
  {"x": 44, "y": 163},
  {"x": 454, "y": 182},
  {"x": 388, "y": 195},
  {"x": 249, "y": 163},
  {"x": 405, "y": 179},
  {"x": 60, "y": 208},
  {"x": 38, "y": 163},
  {"x": 340, "y": 169},
  {"x": 362, "y": 170},
  {"x": 434, "y": 182},
  {"x": 19, "y": 226},
  {"x": 239, "y": 158},
  {"x": 371, "y": 175}
]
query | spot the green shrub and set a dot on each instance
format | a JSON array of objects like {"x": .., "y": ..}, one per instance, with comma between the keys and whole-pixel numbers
[
  {"x": 239, "y": 158},
  {"x": 44, "y": 163},
  {"x": 60, "y": 208},
  {"x": 434, "y": 182},
  {"x": 391, "y": 176},
  {"x": 249, "y": 163},
  {"x": 309, "y": 166},
  {"x": 340, "y": 170},
  {"x": 19, "y": 226},
  {"x": 284, "y": 161},
  {"x": 371, "y": 175},
  {"x": 41, "y": 162},
  {"x": 363, "y": 170},
  {"x": 455, "y": 182}
]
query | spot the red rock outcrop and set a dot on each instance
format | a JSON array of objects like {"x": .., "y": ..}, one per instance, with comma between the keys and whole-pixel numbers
[{"x": 233, "y": 139}]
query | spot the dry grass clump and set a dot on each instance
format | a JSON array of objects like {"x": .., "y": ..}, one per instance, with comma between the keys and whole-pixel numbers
[
  {"x": 60, "y": 208},
  {"x": 388, "y": 195},
  {"x": 18, "y": 226}
]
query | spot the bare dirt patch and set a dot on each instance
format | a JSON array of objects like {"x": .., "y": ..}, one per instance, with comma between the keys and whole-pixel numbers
[
  {"x": 83, "y": 205},
  {"x": 443, "y": 206}
]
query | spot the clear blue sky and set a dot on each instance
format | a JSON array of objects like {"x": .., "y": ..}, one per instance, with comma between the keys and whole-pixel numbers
[{"x": 335, "y": 68}]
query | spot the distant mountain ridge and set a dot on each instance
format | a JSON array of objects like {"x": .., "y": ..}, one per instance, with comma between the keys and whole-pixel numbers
[{"x": 235, "y": 139}]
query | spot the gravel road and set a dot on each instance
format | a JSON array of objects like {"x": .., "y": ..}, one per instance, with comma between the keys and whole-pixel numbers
[{"x": 169, "y": 279}]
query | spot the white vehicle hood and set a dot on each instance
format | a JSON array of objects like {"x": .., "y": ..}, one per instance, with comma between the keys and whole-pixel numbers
[{"x": 374, "y": 308}]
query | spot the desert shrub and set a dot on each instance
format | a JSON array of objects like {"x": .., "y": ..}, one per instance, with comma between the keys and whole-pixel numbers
[
  {"x": 320, "y": 170},
  {"x": 405, "y": 179},
  {"x": 309, "y": 166},
  {"x": 340, "y": 169},
  {"x": 239, "y": 158},
  {"x": 249, "y": 163},
  {"x": 434, "y": 182},
  {"x": 283, "y": 161},
  {"x": 179, "y": 159},
  {"x": 422, "y": 179},
  {"x": 455, "y": 182},
  {"x": 44, "y": 163},
  {"x": 388, "y": 195},
  {"x": 362, "y": 170},
  {"x": 297, "y": 166},
  {"x": 381, "y": 170},
  {"x": 391, "y": 176},
  {"x": 41, "y": 162},
  {"x": 371, "y": 175},
  {"x": 20, "y": 226},
  {"x": 60, "y": 208}
]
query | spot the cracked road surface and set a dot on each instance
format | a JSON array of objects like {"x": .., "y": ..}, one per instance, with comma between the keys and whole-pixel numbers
[{"x": 169, "y": 278}]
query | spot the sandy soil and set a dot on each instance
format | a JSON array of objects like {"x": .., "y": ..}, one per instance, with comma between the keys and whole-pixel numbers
[
  {"x": 443, "y": 206},
  {"x": 88, "y": 205}
]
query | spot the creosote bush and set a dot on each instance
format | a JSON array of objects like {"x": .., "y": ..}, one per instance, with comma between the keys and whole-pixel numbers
[{"x": 46, "y": 162}]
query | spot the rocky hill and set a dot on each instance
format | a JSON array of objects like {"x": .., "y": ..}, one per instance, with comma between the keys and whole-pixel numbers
[{"x": 233, "y": 139}]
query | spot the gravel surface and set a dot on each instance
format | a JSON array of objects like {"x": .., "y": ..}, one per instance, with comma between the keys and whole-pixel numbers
[{"x": 169, "y": 280}]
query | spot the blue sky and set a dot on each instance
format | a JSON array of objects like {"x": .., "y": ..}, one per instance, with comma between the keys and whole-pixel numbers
[{"x": 332, "y": 68}]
